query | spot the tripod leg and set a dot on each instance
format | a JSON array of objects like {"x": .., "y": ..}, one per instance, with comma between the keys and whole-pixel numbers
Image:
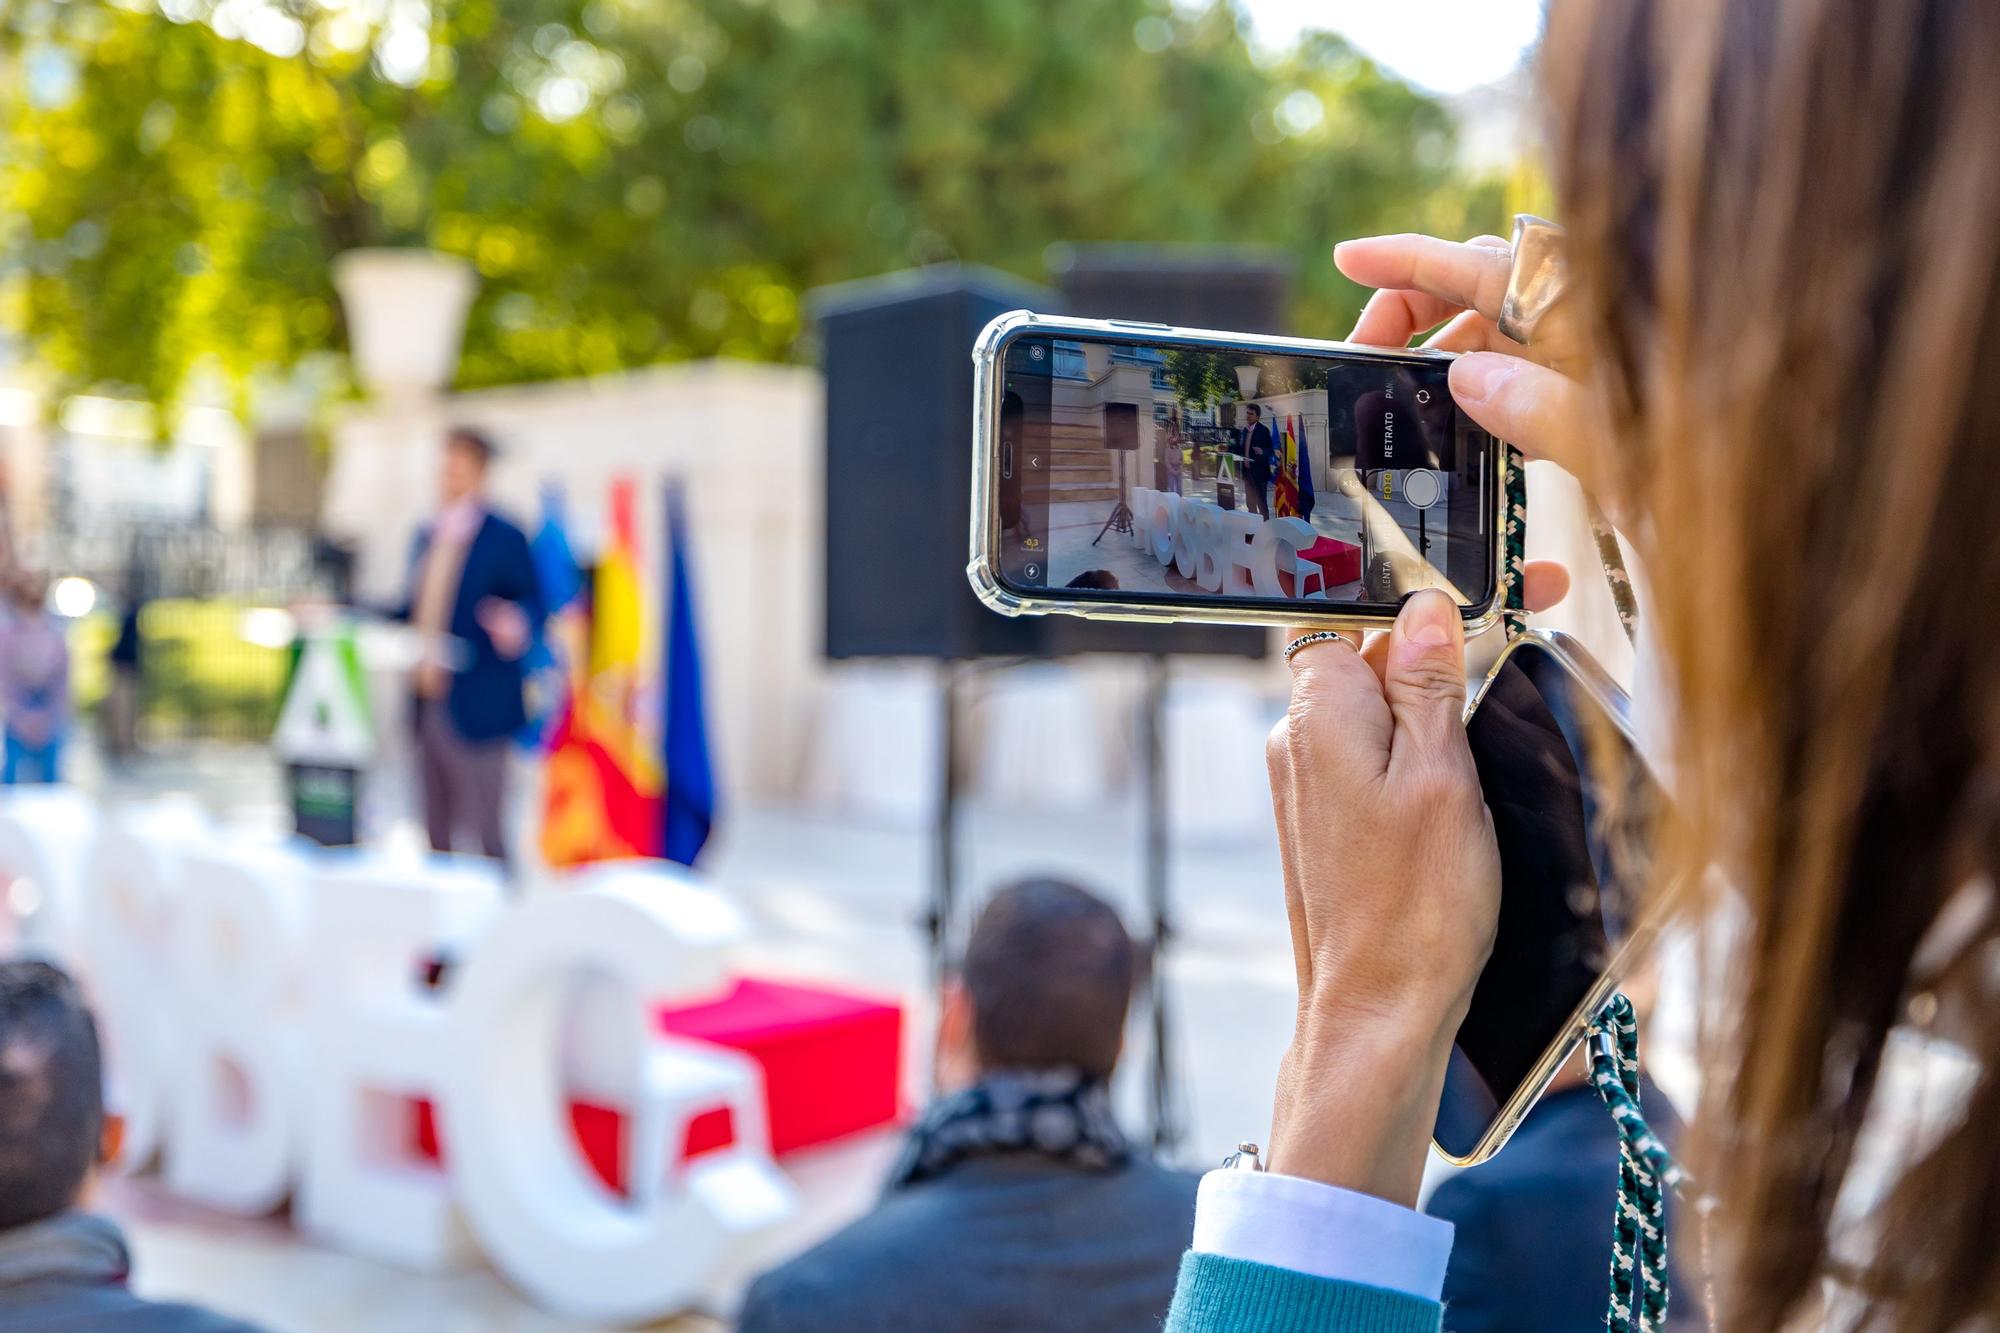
[
  {"x": 944, "y": 830},
  {"x": 1161, "y": 1089},
  {"x": 1121, "y": 518}
]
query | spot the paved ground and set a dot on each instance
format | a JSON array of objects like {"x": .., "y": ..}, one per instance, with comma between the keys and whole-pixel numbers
[
  {"x": 835, "y": 901},
  {"x": 260, "y": 1271}
]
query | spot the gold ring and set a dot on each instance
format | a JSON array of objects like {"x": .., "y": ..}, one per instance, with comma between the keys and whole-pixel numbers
[
  {"x": 1537, "y": 279},
  {"x": 1317, "y": 636}
]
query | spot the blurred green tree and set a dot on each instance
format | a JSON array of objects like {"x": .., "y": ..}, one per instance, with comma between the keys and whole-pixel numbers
[
  {"x": 648, "y": 180},
  {"x": 1202, "y": 378}
]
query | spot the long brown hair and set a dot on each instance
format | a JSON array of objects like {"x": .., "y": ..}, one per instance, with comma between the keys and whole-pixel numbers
[{"x": 1785, "y": 227}]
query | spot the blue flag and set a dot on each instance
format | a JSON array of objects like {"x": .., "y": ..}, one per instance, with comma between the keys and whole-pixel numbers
[
  {"x": 1305, "y": 473},
  {"x": 555, "y": 564},
  {"x": 687, "y": 806},
  {"x": 559, "y": 580}
]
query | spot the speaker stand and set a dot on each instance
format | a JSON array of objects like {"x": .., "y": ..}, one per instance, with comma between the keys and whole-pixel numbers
[
  {"x": 1121, "y": 513},
  {"x": 1162, "y": 1100},
  {"x": 940, "y": 921}
]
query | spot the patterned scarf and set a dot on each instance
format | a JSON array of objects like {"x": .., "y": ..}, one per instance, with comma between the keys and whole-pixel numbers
[{"x": 1056, "y": 1113}]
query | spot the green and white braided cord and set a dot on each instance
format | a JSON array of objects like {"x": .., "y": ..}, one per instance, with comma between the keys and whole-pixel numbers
[
  {"x": 1646, "y": 1170},
  {"x": 1514, "y": 486}
]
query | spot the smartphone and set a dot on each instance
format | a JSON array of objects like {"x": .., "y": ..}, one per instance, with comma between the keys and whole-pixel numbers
[
  {"x": 1572, "y": 804},
  {"x": 1132, "y": 471}
]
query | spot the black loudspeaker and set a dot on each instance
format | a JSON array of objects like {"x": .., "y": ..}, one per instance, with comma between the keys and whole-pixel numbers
[
  {"x": 1197, "y": 287},
  {"x": 1121, "y": 426},
  {"x": 897, "y": 355}
]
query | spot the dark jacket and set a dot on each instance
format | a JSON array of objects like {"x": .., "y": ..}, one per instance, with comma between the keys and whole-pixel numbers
[
  {"x": 486, "y": 700},
  {"x": 996, "y": 1243},
  {"x": 1533, "y": 1245},
  {"x": 66, "y": 1274},
  {"x": 1258, "y": 452}
]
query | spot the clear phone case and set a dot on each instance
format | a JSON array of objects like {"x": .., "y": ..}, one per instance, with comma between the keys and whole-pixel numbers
[
  {"x": 1596, "y": 685},
  {"x": 983, "y": 570}
]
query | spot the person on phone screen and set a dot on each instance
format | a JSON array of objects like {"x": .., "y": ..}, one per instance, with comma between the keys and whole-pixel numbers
[
  {"x": 476, "y": 605},
  {"x": 1773, "y": 364},
  {"x": 1259, "y": 454}
]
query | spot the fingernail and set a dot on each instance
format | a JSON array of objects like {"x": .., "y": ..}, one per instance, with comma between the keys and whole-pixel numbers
[
  {"x": 1477, "y": 376},
  {"x": 1426, "y": 619}
]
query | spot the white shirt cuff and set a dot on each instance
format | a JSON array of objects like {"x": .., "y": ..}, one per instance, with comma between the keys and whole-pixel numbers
[{"x": 1322, "y": 1231}]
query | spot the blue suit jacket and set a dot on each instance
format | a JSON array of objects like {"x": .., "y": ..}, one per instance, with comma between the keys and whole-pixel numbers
[
  {"x": 994, "y": 1245},
  {"x": 1533, "y": 1243},
  {"x": 486, "y": 700}
]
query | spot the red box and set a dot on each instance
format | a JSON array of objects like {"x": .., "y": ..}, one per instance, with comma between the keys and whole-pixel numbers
[
  {"x": 832, "y": 1067},
  {"x": 832, "y": 1061},
  {"x": 1341, "y": 561}
]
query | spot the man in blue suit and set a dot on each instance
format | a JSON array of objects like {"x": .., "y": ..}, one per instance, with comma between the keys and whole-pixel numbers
[{"x": 475, "y": 603}]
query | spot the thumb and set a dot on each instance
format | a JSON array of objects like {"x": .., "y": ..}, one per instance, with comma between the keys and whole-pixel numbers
[
  {"x": 1424, "y": 677},
  {"x": 1541, "y": 412}
]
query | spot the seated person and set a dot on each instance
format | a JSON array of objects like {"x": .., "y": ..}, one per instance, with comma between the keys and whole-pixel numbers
[
  {"x": 1017, "y": 1203},
  {"x": 62, "y": 1270}
]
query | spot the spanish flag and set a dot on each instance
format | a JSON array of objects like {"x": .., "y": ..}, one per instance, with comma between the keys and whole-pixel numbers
[
  {"x": 602, "y": 783},
  {"x": 1287, "y": 494}
]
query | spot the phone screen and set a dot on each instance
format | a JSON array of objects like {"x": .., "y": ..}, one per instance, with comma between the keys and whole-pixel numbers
[
  {"x": 1569, "y": 801},
  {"x": 1157, "y": 472}
]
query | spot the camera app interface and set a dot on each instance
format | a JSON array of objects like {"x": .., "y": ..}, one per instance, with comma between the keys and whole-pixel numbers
[{"x": 1143, "y": 472}]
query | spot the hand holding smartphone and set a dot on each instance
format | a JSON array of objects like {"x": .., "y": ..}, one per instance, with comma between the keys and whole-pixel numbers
[
  {"x": 1133, "y": 471},
  {"x": 1391, "y": 882},
  {"x": 1460, "y": 886}
]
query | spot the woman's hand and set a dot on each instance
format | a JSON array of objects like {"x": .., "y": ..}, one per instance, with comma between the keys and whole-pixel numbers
[
  {"x": 1392, "y": 876},
  {"x": 1527, "y": 395},
  {"x": 1392, "y": 883}
]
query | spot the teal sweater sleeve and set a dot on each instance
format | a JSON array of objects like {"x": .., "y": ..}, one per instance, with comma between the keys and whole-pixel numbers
[{"x": 1218, "y": 1295}]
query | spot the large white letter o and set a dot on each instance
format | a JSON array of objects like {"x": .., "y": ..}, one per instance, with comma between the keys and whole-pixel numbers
[{"x": 528, "y": 1195}]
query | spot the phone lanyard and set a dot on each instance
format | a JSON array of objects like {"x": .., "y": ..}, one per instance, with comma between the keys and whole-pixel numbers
[{"x": 1646, "y": 1170}]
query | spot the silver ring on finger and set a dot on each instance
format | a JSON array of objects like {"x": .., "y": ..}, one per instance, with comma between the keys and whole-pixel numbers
[
  {"x": 1317, "y": 636},
  {"x": 1537, "y": 279}
]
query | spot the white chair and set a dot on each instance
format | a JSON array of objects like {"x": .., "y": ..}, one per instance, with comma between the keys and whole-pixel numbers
[{"x": 1303, "y": 569}]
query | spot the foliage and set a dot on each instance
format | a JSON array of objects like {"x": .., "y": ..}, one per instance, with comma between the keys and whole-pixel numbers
[
  {"x": 1201, "y": 378},
  {"x": 202, "y": 677},
  {"x": 647, "y": 180}
]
